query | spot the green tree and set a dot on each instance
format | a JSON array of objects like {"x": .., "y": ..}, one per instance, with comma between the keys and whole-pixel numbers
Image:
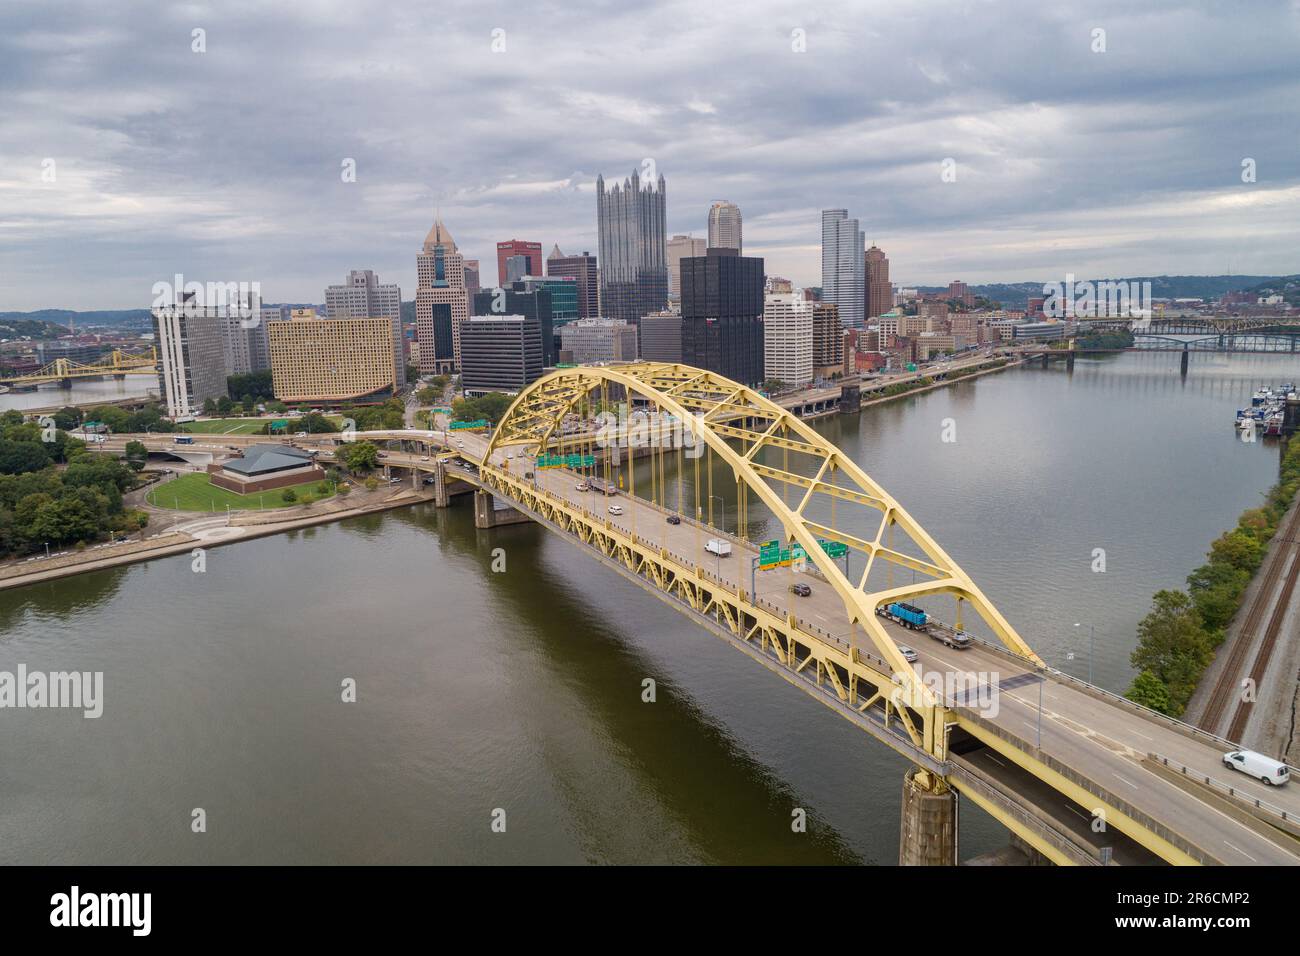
[
  {"x": 1148, "y": 690},
  {"x": 224, "y": 405},
  {"x": 17, "y": 457},
  {"x": 67, "y": 418},
  {"x": 209, "y": 406},
  {"x": 1173, "y": 645},
  {"x": 358, "y": 456},
  {"x": 136, "y": 455},
  {"x": 289, "y": 496}
]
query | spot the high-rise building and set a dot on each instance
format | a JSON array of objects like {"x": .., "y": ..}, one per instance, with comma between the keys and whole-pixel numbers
[
  {"x": 661, "y": 337},
  {"x": 518, "y": 300},
  {"x": 362, "y": 297},
  {"x": 191, "y": 356},
  {"x": 722, "y": 314},
  {"x": 843, "y": 266},
  {"x": 440, "y": 272},
  {"x": 679, "y": 248},
  {"x": 828, "y": 340},
  {"x": 633, "y": 256},
  {"x": 787, "y": 339},
  {"x": 531, "y": 251},
  {"x": 564, "y": 296},
  {"x": 880, "y": 294},
  {"x": 473, "y": 280},
  {"x": 499, "y": 353},
  {"x": 239, "y": 344},
  {"x": 724, "y": 226},
  {"x": 582, "y": 269},
  {"x": 333, "y": 360},
  {"x": 599, "y": 340}
]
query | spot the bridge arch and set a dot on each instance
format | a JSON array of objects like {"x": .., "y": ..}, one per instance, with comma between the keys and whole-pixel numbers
[{"x": 721, "y": 414}]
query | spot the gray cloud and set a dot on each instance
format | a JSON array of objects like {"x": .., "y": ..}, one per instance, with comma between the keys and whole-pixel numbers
[{"x": 226, "y": 164}]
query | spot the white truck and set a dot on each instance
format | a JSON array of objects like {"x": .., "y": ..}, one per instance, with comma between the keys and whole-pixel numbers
[
  {"x": 719, "y": 547},
  {"x": 1272, "y": 772}
]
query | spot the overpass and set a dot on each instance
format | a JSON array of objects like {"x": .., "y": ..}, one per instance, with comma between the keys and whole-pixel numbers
[{"x": 1077, "y": 774}]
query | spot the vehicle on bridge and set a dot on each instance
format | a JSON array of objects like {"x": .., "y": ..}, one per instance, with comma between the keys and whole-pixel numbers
[
  {"x": 184, "y": 439},
  {"x": 719, "y": 547},
  {"x": 801, "y": 590},
  {"x": 1272, "y": 772},
  {"x": 908, "y": 615},
  {"x": 616, "y": 509},
  {"x": 674, "y": 519}
]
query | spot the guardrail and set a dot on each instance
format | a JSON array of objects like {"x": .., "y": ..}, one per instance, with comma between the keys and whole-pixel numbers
[{"x": 1228, "y": 789}]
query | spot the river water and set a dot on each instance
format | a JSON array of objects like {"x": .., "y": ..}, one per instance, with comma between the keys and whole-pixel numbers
[
  {"x": 83, "y": 392},
  {"x": 521, "y": 691}
]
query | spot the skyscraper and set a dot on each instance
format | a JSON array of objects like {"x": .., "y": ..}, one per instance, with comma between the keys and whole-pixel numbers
[
  {"x": 844, "y": 266},
  {"x": 473, "y": 282},
  {"x": 722, "y": 314},
  {"x": 788, "y": 338},
  {"x": 191, "y": 356},
  {"x": 724, "y": 226},
  {"x": 583, "y": 271},
  {"x": 679, "y": 248},
  {"x": 532, "y": 251},
  {"x": 880, "y": 294},
  {"x": 517, "y": 299},
  {"x": 440, "y": 277},
  {"x": 633, "y": 258},
  {"x": 362, "y": 297}
]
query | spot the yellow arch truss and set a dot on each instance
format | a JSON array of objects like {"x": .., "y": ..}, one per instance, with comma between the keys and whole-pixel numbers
[{"x": 738, "y": 425}]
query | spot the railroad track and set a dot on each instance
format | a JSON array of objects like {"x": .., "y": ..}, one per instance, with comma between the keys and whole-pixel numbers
[{"x": 1227, "y": 687}]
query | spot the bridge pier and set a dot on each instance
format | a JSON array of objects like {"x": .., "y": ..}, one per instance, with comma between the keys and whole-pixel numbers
[
  {"x": 1182, "y": 368},
  {"x": 1046, "y": 359},
  {"x": 850, "y": 399},
  {"x": 487, "y": 515},
  {"x": 927, "y": 833},
  {"x": 1069, "y": 361}
]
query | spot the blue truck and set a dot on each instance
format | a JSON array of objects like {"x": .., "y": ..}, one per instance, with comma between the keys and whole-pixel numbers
[{"x": 908, "y": 615}]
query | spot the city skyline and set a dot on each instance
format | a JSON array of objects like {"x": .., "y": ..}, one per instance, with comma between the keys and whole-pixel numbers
[{"x": 1066, "y": 158}]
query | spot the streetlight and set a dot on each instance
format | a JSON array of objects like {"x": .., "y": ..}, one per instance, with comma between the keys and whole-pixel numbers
[
  {"x": 1091, "y": 645},
  {"x": 717, "y": 555}
]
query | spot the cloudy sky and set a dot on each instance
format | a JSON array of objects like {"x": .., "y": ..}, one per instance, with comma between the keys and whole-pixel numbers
[{"x": 226, "y": 164}]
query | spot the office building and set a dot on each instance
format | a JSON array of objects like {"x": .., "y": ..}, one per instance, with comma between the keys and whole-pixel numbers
[
  {"x": 722, "y": 314},
  {"x": 473, "y": 280},
  {"x": 440, "y": 280},
  {"x": 844, "y": 266},
  {"x": 532, "y": 253},
  {"x": 582, "y": 269},
  {"x": 589, "y": 341},
  {"x": 633, "y": 254},
  {"x": 564, "y": 296},
  {"x": 679, "y": 248},
  {"x": 960, "y": 291},
  {"x": 363, "y": 297},
  {"x": 661, "y": 337},
  {"x": 518, "y": 300},
  {"x": 333, "y": 360},
  {"x": 880, "y": 294},
  {"x": 724, "y": 226},
  {"x": 191, "y": 357},
  {"x": 787, "y": 339},
  {"x": 828, "y": 340},
  {"x": 499, "y": 353}
]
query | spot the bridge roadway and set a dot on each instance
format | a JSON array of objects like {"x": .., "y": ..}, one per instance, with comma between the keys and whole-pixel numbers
[{"x": 1099, "y": 738}]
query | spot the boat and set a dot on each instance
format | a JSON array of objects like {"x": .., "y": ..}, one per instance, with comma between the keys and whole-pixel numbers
[
  {"x": 1261, "y": 396},
  {"x": 1273, "y": 425}
]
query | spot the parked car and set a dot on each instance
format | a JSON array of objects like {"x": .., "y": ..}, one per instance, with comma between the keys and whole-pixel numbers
[
  {"x": 674, "y": 519},
  {"x": 1272, "y": 772},
  {"x": 802, "y": 590},
  {"x": 616, "y": 509}
]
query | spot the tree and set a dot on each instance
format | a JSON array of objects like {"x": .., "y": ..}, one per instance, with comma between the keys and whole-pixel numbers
[
  {"x": 1237, "y": 549},
  {"x": 372, "y": 484},
  {"x": 288, "y": 496},
  {"x": 136, "y": 455},
  {"x": 209, "y": 406},
  {"x": 224, "y": 405},
  {"x": 358, "y": 456},
  {"x": 1173, "y": 645},
  {"x": 17, "y": 457},
  {"x": 1148, "y": 690},
  {"x": 67, "y": 418}
]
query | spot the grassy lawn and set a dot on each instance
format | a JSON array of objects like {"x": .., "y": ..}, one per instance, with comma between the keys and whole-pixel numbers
[
  {"x": 239, "y": 426},
  {"x": 195, "y": 492}
]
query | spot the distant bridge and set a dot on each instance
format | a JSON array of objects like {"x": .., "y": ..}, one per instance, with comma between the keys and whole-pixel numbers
[{"x": 118, "y": 362}]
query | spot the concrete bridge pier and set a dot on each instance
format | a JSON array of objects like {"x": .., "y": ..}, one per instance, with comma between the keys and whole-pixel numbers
[
  {"x": 850, "y": 399},
  {"x": 928, "y": 827},
  {"x": 1069, "y": 360},
  {"x": 1182, "y": 368},
  {"x": 1046, "y": 358},
  {"x": 488, "y": 515}
]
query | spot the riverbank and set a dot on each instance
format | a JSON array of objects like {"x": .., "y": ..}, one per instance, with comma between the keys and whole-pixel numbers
[
  {"x": 950, "y": 380},
  {"x": 206, "y": 533}
]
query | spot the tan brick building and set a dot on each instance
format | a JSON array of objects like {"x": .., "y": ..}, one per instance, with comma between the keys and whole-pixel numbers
[{"x": 331, "y": 360}]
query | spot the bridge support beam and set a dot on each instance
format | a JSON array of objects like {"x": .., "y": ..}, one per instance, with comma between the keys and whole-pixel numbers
[
  {"x": 1182, "y": 368},
  {"x": 928, "y": 827},
  {"x": 488, "y": 515}
]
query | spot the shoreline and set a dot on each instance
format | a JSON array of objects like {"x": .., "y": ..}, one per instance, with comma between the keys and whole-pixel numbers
[{"x": 189, "y": 541}]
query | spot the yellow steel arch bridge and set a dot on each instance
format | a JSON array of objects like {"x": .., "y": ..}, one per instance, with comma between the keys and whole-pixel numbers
[
  {"x": 117, "y": 362},
  {"x": 1080, "y": 775}
]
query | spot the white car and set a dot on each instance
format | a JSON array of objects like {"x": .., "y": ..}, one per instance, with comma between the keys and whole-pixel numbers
[
  {"x": 582, "y": 486},
  {"x": 615, "y": 509},
  {"x": 909, "y": 655}
]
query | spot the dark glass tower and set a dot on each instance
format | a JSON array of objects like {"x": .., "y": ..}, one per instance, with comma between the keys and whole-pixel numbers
[
  {"x": 535, "y": 305},
  {"x": 633, "y": 250},
  {"x": 722, "y": 314}
]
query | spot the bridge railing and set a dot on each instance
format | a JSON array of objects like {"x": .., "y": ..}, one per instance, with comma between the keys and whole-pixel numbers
[{"x": 1225, "y": 788}]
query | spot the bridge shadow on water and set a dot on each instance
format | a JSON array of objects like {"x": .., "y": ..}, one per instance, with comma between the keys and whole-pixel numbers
[{"x": 726, "y": 805}]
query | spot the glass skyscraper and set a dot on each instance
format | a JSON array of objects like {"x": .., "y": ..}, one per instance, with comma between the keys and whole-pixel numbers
[
  {"x": 633, "y": 254},
  {"x": 844, "y": 280}
]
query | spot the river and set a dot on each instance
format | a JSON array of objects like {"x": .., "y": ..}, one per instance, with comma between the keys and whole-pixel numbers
[{"x": 521, "y": 691}]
